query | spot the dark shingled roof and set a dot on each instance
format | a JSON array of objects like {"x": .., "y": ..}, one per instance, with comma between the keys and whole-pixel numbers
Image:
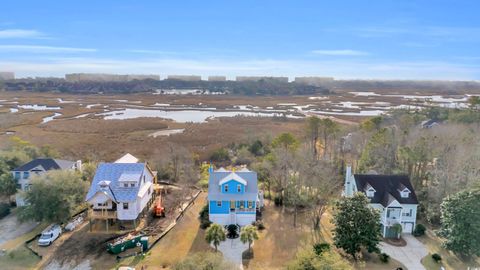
[
  {"x": 47, "y": 164},
  {"x": 387, "y": 188}
]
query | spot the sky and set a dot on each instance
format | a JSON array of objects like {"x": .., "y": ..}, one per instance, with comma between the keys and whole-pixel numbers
[{"x": 349, "y": 39}]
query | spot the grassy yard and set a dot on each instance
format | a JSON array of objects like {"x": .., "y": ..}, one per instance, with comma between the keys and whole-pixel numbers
[
  {"x": 19, "y": 258},
  {"x": 280, "y": 241},
  {"x": 449, "y": 260}
]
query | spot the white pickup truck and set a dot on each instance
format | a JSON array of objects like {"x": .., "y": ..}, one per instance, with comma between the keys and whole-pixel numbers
[{"x": 50, "y": 234}]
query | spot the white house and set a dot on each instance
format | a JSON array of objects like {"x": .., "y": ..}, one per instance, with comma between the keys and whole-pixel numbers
[
  {"x": 392, "y": 195},
  {"x": 121, "y": 190},
  {"x": 39, "y": 166}
]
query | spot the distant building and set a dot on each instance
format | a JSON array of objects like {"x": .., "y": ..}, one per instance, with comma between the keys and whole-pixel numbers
[
  {"x": 39, "y": 166},
  {"x": 259, "y": 78},
  {"x": 103, "y": 77},
  {"x": 189, "y": 78},
  {"x": 315, "y": 81},
  {"x": 217, "y": 78},
  {"x": 429, "y": 123},
  {"x": 7, "y": 76}
]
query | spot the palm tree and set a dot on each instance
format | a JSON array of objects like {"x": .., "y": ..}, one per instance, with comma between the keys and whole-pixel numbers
[
  {"x": 215, "y": 234},
  {"x": 248, "y": 234}
]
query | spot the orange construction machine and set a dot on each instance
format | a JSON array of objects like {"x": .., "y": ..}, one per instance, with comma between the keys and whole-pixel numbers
[{"x": 159, "y": 210}]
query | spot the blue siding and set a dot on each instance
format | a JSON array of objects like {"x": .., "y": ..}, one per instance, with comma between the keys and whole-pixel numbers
[
  {"x": 224, "y": 209},
  {"x": 232, "y": 187}
]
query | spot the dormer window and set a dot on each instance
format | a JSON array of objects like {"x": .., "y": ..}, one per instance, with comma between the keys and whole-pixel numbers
[
  {"x": 132, "y": 184},
  {"x": 225, "y": 188},
  {"x": 125, "y": 184},
  {"x": 239, "y": 188},
  {"x": 369, "y": 191},
  {"x": 405, "y": 193}
]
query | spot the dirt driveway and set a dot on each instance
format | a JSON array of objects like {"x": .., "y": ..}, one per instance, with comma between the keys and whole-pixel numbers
[
  {"x": 11, "y": 228},
  {"x": 409, "y": 255}
]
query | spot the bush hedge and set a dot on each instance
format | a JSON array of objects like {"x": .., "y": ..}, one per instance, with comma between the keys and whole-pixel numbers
[
  {"x": 4, "y": 209},
  {"x": 419, "y": 230}
]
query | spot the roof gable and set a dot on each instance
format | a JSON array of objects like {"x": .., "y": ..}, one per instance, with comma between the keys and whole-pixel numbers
[{"x": 233, "y": 176}]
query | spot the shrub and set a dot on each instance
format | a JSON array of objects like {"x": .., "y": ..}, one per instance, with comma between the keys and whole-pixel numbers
[
  {"x": 220, "y": 155},
  {"x": 278, "y": 201},
  {"x": 319, "y": 248},
  {"x": 419, "y": 230},
  {"x": 4, "y": 209},
  {"x": 203, "y": 216},
  {"x": 259, "y": 224},
  {"x": 232, "y": 231},
  {"x": 384, "y": 257},
  {"x": 436, "y": 257}
]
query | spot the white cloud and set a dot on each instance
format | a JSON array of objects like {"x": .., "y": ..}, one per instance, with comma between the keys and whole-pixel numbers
[
  {"x": 20, "y": 33},
  {"x": 421, "y": 70},
  {"x": 339, "y": 52},
  {"x": 43, "y": 49}
]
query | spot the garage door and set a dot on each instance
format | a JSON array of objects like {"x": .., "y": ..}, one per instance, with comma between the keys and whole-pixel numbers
[{"x": 407, "y": 227}]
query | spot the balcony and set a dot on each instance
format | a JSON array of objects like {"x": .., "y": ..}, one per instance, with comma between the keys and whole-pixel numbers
[
  {"x": 245, "y": 210},
  {"x": 102, "y": 214}
]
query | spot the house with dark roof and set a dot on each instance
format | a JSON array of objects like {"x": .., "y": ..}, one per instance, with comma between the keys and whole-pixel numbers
[
  {"x": 39, "y": 166},
  {"x": 392, "y": 195},
  {"x": 121, "y": 191},
  {"x": 233, "y": 197}
]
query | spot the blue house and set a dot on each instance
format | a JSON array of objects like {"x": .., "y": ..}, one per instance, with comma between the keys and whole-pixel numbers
[{"x": 233, "y": 197}]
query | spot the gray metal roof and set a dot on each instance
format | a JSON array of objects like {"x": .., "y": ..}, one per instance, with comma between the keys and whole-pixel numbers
[
  {"x": 113, "y": 172},
  {"x": 251, "y": 189},
  {"x": 47, "y": 164}
]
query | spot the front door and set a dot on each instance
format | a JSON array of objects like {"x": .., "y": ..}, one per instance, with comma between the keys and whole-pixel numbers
[{"x": 232, "y": 205}]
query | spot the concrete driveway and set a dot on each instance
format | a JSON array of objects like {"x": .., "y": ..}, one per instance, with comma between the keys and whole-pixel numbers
[
  {"x": 409, "y": 255},
  {"x": 232, "y": 250}
]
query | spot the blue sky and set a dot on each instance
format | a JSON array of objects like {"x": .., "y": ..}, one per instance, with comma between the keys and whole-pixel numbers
[{"x": 385, "y": 39}]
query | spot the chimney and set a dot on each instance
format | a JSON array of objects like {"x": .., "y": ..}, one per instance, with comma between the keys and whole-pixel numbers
[
  {"x": 78, "y": 165},
  {"x": 210, "y": 169},
  {"x": 348, "y": 192}
]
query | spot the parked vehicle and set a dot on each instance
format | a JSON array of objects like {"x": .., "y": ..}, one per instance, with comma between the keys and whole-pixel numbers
[
  {"x": 159, "y": 210},
  {"x": 128, "y": 241},
  {"x": 50, "y": 234},
  {"x": 74, "y": 223}
]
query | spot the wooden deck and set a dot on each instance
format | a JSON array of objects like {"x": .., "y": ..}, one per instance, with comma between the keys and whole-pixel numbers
[{"x": 102, "y": 214}]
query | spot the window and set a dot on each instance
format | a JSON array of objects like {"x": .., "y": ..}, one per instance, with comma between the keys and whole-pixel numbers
[
  {"x": 132, "y": 184},
  {"x": 370, "y": 193},
  {"x": 219, "y": 203},
  {"x": 405, "y": 193},
  {"x": 407, "y": 214},
  {"x": 125, "y": 184},
  {"x": 225, "y": 188},
  {"x": 27, "y": 187},
  {"x": 250, "y": 204},
  {"x": 242, "y": 204},
  {"x": 26, "y": 175},
  {"x": 125, "y": 206},
  {"x": 239, "y": 188},
  {"x": 149, "y": 190},
  {"x": 17, "y": 175},
  {"x": 102, "y": 204}
]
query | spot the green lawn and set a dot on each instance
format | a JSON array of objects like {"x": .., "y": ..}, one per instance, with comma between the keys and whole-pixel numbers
[{"x": 430, "y": 264}]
